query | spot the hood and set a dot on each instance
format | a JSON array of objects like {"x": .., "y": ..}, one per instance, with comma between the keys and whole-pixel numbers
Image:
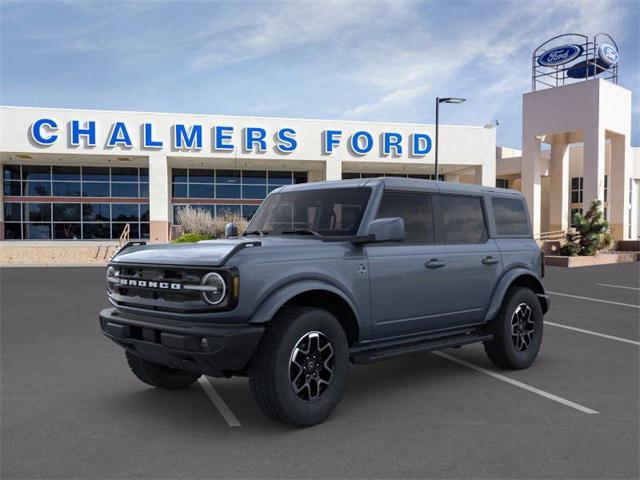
[{"x": 209, "y": 253}]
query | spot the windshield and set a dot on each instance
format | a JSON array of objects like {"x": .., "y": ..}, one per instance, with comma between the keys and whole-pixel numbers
[{"x": 326, "y": 212}]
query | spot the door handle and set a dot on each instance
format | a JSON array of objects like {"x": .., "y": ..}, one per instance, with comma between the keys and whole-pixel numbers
[
  {"x": 490, "y": 260},
  {"x": 434, "y": 263}
]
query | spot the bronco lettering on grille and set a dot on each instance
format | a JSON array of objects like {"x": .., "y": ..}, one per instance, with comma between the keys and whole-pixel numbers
[{"x": 149, "y": 284}]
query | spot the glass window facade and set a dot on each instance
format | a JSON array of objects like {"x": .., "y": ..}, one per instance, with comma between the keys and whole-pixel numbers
[
  {"x": 576, "y": 189},
  {"x": 59, "y": 181},
  {"x": 200, "y": 185},
  {"x": 74, "y": 221},
  {"x": 502, "y": 183},
  {"x": 114, "y": 197}
]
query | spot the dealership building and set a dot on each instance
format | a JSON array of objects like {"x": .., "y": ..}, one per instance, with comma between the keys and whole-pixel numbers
[{"x": 86, "y": 174}]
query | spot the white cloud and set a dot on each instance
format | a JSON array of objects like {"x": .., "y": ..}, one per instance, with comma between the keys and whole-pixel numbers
[
  {"x": 399, "y": 97},
  {"x": 284, "y": 26}
]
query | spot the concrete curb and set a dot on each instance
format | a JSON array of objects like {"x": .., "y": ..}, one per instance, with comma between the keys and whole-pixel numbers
[
  {"x": 56, "y": 265},
  {"x": 602, "y": 259}
]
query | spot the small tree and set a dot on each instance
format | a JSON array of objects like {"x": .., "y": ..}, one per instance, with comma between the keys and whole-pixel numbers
[{"x": 591, "y": 235}]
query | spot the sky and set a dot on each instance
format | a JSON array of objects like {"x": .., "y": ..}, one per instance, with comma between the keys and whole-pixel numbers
[{"x": 351, "y": 60}]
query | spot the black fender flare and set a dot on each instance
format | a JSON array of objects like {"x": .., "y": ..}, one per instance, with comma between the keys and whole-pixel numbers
[
  {"x": 282, "y": 295},
  {"x": 517, "y": 274}
]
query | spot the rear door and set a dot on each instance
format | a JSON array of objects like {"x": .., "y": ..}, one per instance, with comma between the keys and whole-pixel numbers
[
  {"x": 474, "y": 261},
  {"x": 408, "y": 279}
]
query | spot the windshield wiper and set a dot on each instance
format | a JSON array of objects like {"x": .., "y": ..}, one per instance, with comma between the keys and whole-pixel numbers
[
  {"x": 301, "y": 231},
  {"x": 255, "y": 232}
]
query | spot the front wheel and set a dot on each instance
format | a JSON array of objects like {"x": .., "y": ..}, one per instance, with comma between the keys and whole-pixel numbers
[
  {"x": 517, "y": 330},
  {"x": 299, "y": 370}
]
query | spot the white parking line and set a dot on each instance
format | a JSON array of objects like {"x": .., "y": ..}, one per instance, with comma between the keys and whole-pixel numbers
[
  {"x": 617, "y": 286},
  {"x": 610, "y": 337},
  {"x": 516, "y": 383},
  {"x": 222, "y": 407},
  {"x": 600, "y": 300}
]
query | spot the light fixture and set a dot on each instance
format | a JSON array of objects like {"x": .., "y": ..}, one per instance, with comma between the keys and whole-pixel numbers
[
  {"x": 440, "y": 100},
  {"x": 451, "y": 100}
]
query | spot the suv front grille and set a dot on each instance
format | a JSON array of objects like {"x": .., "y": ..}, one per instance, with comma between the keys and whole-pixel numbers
[{"x": 151, "y": 288}]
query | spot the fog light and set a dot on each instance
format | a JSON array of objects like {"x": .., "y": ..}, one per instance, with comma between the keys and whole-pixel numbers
[{"x": 204, "y": 343}]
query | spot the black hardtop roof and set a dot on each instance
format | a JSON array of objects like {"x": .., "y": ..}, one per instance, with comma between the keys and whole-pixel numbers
[{"x": 400, "y": 183}]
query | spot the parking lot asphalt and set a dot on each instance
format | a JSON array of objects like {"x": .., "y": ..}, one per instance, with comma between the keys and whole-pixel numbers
[{"x": 71, "y": 408}]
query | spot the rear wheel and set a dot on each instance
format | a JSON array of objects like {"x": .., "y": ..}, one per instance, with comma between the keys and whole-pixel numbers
[
  {"x": 299, "y": 371},
  {"x": 158, "y": 375},
  {"x": 517, "y": 330}
]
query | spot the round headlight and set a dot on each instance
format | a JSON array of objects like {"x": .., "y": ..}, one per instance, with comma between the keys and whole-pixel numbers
[
  {"x": 111, "y": 274},
  {"x": 215, "y": 290}
]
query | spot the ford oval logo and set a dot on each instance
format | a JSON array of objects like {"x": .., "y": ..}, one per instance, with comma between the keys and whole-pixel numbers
[
  {"x": 608, "y": 54},
  {"x": 560, "y": 55}
]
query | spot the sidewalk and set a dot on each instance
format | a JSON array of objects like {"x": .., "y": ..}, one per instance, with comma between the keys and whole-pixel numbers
[{"x": 55, "y": 253}]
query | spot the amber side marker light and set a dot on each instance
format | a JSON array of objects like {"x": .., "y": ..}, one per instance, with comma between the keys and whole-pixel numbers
[{"x": 235, "y": 287}]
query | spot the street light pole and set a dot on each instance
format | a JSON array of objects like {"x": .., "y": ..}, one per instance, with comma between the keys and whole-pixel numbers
[
  {"x": 438, "y": 102},
  {"x": 437, "y": 142}
]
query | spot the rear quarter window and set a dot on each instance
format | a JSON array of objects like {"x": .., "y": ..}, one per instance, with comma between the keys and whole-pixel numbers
[{"x": 510, "y": 216}]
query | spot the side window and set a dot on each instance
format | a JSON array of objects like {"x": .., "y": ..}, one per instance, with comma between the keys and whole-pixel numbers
[
  {"x": 463, "y": 219},
  {"x": 510, "y": 215},
  {"x": 414, "y": 209}
]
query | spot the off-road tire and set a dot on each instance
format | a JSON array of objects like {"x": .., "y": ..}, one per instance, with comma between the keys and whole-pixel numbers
[
  {"x": 158, "y": 375},
  {"x": 269, "y": 368},
  {"x": 501, "y": 349}
]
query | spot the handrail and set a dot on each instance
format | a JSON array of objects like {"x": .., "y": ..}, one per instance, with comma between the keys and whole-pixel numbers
[
  {"x": 124, "y": 236},
  {"x": 554, "y": 234}
]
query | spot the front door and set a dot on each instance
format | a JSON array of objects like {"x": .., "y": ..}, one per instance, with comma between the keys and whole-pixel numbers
[{"x": 408, "y": 279}]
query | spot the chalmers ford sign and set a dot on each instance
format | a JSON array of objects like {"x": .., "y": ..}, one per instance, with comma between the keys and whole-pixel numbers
[{"x": 222, "y": 138}]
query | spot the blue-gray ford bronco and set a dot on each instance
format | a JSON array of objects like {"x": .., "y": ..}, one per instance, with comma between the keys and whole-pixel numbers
[{"x": 327, "y": 274}]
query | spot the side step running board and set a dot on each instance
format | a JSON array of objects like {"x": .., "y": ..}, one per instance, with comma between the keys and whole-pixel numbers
[{"x": 426, "y": 345}]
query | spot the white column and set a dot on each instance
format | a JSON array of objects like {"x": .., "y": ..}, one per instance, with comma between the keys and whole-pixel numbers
[
  {"x": 559, "y": 204},
  {"x": 531, "y": 172},
  {"x": 159, "y": 197},
  {"x": 486, "y": 174},
  {"x": 618, "y": 188},
  {"x": 332, "y": 169},
  {"x": 593, "y": 166}
]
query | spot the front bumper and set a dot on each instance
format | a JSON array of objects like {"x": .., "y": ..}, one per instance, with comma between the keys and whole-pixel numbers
[{"x": 227, "y": 349}]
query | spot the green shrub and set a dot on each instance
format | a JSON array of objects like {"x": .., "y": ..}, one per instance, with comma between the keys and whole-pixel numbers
[
  {"x": 192, "y": 238},
  {"x": 591, "y": 235}
]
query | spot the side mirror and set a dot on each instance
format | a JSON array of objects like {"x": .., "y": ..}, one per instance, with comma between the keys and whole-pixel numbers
[
  {"x": 230, "y": 230},
  {"x": 387, "y": 229}
]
